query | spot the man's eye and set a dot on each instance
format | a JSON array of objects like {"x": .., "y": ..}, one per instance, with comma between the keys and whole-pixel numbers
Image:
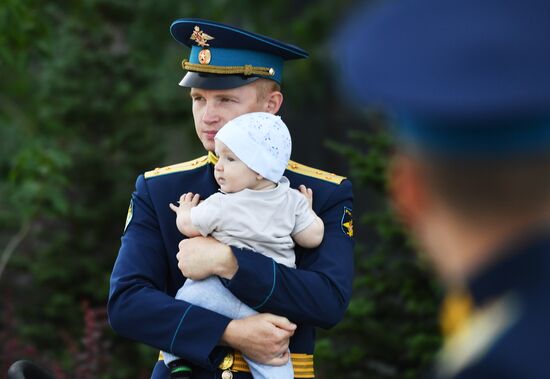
[{"x": 230, "y": 159}]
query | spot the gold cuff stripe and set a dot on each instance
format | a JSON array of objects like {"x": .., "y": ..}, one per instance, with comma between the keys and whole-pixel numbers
[
  {"x": 301, "y": 363},
  {"x": 247, "y": 69}
]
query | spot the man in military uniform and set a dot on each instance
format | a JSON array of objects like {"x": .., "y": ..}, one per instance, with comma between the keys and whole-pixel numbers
[
  {"x": 230, "y": 72},
  {"x": 467, "y": 86}
]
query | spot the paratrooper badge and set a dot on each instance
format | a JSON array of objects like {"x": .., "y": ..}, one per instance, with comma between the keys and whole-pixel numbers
[{"x": 347, "y": 222}]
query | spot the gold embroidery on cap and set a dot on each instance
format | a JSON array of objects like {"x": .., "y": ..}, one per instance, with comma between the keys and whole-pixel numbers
[{"x": 228, "y": 70}]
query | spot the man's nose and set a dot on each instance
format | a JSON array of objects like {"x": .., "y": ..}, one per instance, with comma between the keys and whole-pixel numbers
[
  {"x": 210, "y": 115},
  {"x": 218, "y": 166}
]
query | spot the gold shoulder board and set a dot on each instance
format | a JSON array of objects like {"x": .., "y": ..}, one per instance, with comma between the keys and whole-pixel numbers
[
  {"x": 184, "y": 166},
  {"x": 313, "y": 172}
]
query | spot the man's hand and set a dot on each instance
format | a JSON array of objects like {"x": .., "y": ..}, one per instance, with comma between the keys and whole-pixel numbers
[
  {"x": 263, "y": 338},
  {"x": 201, "y": 257}
]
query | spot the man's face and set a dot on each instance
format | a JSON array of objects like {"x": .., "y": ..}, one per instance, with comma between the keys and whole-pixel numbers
[
  {"x": 212, "y": 109},
  {"x": 427, "y": 216}
]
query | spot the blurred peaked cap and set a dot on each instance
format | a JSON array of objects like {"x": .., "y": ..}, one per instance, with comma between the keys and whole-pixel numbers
[
  {"x": 223, "y": 56},
  {"x": 447, "y": 58}
]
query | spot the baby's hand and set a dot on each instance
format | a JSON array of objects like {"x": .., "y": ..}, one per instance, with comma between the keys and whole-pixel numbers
[
  {"x": 308, "y": 193},
  {"x": 183, "y": 213},
  {"x": 187, "y": 201}
]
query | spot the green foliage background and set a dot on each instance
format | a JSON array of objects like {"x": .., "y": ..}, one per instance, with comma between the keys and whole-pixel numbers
[{"x": 88, "y": 100}]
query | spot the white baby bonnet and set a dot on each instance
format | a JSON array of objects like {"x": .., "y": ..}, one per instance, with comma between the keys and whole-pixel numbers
[{"x": 261, "y": 141}]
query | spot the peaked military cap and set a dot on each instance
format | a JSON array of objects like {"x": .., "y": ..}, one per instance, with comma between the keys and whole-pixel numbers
[
  {"x": 463, "y": 75},
  {"x": 223, "y": 56}
]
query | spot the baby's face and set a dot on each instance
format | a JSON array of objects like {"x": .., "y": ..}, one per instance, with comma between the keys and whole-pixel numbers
[{"x": 231, "y": 173}]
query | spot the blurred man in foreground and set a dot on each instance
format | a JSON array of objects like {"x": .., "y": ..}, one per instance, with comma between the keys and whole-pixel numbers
[{"x": 467, "y": 85}]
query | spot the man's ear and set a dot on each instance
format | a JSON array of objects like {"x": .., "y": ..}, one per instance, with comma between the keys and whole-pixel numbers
[
  {"x": 408, "y": 190},
  {"x": 273, "y": 102}
]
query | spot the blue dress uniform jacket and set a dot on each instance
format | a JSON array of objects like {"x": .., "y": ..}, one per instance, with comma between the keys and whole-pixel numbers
[
  {"x": 507, "y": 335},
  {"x": 146, "y": 277}
]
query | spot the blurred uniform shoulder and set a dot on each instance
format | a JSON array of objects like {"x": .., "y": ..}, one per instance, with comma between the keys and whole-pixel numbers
[
  {"x": 311, "y": 172},
  {"x": 178, "y": 167}
]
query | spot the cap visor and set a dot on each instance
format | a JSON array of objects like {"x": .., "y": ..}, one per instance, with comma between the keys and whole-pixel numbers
[{"x": 212, "y": 81}]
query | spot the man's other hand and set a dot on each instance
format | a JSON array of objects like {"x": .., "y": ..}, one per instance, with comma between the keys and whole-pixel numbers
[{"x": 263, "y": 338}]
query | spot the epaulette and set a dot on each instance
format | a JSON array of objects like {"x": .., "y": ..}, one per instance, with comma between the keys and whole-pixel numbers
[
  {"x": 184, "y": 166},
  {"x": 315, "y": 173}
]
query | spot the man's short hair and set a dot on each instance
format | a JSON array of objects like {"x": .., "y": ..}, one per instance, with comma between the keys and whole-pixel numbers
[{"x": 265, "y": 87}]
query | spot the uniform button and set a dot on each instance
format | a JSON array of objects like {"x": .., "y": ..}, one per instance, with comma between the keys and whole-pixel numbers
[{"x": 227, "y": 374}]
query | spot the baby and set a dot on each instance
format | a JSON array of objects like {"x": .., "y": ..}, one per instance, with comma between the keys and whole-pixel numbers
[{"x": 255, "y": 209}]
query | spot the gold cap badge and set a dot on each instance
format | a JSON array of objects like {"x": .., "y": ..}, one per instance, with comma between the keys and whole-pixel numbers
[
  {"x": 205, "y": 56},
  {"x": 200, "y": 37}
]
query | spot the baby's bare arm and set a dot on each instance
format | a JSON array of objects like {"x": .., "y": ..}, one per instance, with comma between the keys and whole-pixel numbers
[
  {"x": 312, "y": 236},
  {"x": 183, "y": 214}
]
